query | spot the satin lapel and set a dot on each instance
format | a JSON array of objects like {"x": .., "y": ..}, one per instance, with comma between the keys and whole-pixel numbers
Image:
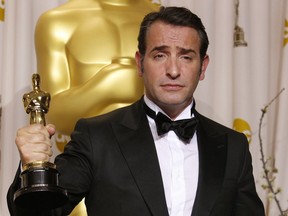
[
  {"x": 212, "y": 162},
  {"x": 138, "y": 148}
]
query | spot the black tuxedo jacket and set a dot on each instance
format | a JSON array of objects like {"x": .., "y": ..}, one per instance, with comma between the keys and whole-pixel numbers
[{"x": 112, "y": 162}]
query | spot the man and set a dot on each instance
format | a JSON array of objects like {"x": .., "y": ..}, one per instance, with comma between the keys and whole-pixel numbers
[{"x": 123, "y": 163}]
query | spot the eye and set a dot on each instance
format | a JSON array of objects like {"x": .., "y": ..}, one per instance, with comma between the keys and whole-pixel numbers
[
  {"x": 159, "y": 56},
  {"x": 186, "y": 58}
]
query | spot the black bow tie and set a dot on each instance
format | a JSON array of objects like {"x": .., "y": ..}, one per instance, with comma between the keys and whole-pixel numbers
[{"x": 184, "y": 129}]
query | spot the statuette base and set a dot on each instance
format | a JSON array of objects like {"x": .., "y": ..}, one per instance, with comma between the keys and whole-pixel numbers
[{"x": 40, "y": 188}]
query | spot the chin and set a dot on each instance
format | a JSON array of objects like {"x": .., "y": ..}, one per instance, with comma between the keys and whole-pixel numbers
[{"x": 172, "y": 102}]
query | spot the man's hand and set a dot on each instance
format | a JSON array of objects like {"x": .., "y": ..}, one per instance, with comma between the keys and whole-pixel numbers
[{"x": 34, "y": 143}]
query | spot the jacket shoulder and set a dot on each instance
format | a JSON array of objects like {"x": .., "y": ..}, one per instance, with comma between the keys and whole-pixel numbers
[{"x": 212, "y": 127}]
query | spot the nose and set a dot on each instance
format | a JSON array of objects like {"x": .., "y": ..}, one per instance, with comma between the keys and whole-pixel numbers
[{"x": 172, "y": 69}]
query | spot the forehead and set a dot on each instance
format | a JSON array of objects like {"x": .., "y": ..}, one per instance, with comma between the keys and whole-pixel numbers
[{"x": 161, "y": 33}]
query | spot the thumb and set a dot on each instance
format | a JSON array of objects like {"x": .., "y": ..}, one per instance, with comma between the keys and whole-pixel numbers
[{"x": 51, "y": 129}]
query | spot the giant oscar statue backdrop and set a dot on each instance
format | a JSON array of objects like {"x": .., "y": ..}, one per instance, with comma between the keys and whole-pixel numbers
[{"x": 85, "y": 57}]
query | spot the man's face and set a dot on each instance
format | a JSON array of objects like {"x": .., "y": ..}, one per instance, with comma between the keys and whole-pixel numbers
[{"x": 171, "y": 65}]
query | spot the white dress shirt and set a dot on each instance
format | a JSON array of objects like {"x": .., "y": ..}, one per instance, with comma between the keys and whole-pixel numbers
[{"x": 179, "y": 165}]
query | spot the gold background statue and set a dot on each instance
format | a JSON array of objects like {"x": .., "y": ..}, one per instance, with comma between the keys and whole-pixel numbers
[
  {"x": 85, "y": 55},
  {"x": 2, "y": 10}
]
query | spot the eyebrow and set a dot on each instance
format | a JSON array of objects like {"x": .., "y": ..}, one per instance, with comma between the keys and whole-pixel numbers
[
  {"x": 182, "y": 50},
  {"x": 159, "y": 48}
]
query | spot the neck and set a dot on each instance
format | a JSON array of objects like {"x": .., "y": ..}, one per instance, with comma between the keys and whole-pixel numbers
[{"x": 173, "y": 111}]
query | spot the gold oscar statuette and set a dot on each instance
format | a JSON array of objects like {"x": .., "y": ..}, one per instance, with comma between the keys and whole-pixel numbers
[{"x": 39, "y": 179}]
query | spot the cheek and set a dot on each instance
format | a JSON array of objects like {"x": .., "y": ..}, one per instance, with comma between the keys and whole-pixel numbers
[
  {"x": 148, "y": 78},
  {"x": 192, "y": 80},
  {"x": 196, "y": 72},
  {"x": 150, "y": 72}
]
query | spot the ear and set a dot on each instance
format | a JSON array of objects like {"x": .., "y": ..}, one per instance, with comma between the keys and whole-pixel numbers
[
  {"x": 204, "y": 65},
  {"x": 138, "y": 59}
]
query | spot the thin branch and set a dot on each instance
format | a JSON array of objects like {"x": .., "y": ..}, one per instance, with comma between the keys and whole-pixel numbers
[{"x": 267, "y": 172}]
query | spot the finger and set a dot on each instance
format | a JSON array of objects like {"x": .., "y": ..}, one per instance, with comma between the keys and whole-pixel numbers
[
  {"x": 34, "y": 143},
  {"x": 33, "y": 139},
  {"x": 32, "y": 134},
  {"x": 32, "y": 152}
]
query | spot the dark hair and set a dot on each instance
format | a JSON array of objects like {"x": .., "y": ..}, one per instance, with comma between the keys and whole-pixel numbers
[{"x": 177, "y": 16}]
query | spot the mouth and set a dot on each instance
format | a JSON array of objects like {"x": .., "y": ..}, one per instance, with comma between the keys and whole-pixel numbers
[{"x": 172, "y": 87}]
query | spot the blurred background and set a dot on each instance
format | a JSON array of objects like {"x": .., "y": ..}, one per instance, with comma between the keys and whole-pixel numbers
[{"x": 248, "y": 68}]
